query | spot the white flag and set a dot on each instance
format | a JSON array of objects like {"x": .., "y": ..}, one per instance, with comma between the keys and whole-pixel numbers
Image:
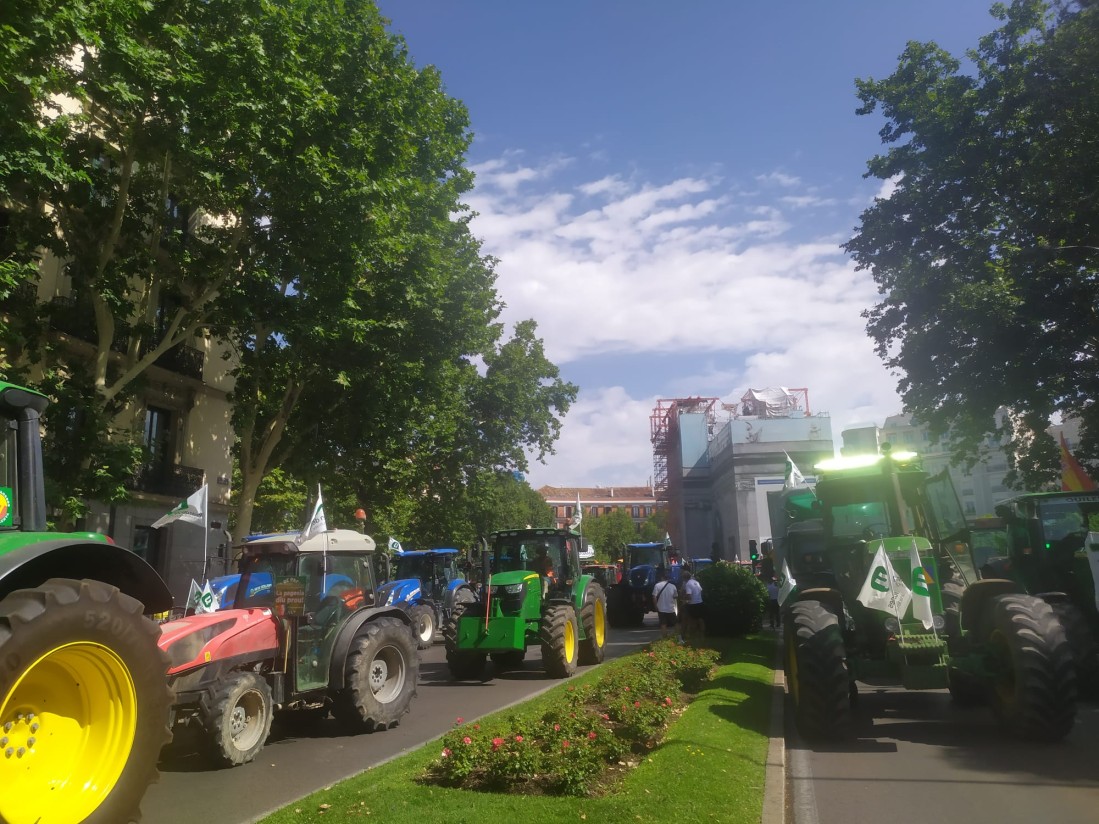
[
  {"x": 786, "y": 584},
  {"x": 883, "y": 589},
  {"x": 193, "y": 510},
  {"x": 317, "y": 523},
  {"x": 193, "y": 596},
  {"x": 578, "y": 514},
  {"x": 921, "y": 596},
  {"x": 667, "y": 540},
  {"x": 395, "y": 545},
  {"x": 207, "y": 600},
  {"x": 794, "y": 478}
]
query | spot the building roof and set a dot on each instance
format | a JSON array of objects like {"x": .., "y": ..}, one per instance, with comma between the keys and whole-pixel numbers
[{"x": 590, "y": 494}]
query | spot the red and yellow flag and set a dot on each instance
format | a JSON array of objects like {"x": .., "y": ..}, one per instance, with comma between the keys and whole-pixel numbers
[{"x": 1073, "y": 476}]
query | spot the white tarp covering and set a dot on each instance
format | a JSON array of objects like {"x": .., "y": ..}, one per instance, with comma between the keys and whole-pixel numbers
[{"x": 773, "y": 402}]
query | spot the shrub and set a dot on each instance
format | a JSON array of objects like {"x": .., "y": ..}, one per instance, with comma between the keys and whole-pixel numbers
[
  {"x": 582, "y": 732},
  {"x": 735, "y": 599}
]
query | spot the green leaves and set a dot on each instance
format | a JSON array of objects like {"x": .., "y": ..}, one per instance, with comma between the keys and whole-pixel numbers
[{"x": 982, "y": 250}]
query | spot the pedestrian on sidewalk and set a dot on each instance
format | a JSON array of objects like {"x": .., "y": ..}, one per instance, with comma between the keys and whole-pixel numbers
[
  {"x": 666, "y": 597},
  {"x": 694, "y": 625},
  {"x": 773, "y": 613}
]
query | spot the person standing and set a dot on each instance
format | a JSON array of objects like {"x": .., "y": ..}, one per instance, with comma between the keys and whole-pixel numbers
[
  {"x": 773, "y": 613},
  {"x": 694, "y": 627},
  {"x": 665, "y": 595}
]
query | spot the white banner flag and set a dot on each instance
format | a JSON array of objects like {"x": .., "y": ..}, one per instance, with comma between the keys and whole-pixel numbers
[
  {"x": 921, "y": 595},
  {"x": 395, "y": 545},
  {"x": 786, "y": 584},
  {"x": 207, "y": 600},
  {"x": 883, "y": 589},
  {"x": 317, "y": 523},
  {"x": 794, "y": 479},
  {"x": 1092, "y": 547},
  {"x": 193, "y": 510}
]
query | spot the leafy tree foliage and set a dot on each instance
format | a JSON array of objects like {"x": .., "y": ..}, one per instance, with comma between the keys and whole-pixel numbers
[
  {"x": 610, "y": 533},
  {"x": 277, "y": 176},
  {"x": 985, "y": 250}
]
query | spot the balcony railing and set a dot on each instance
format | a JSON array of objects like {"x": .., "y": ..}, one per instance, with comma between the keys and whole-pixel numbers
[
  {"x": 75, "y": 318},
  {"x": 174, "y": 479}
]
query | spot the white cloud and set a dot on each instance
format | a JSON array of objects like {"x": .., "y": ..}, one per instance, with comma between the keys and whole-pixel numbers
[{"x": 691, "y": 268}]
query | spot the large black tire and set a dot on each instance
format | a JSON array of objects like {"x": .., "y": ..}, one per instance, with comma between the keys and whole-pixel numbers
[
  {"x": 951, "y": 593},
  {"x": 617, "y": 616},
  {"x": 423, "y": 625},
  {"x": 1082, "y": 642},
  {"x": 965, "y": 689},
  {"x": 1033, "y": 689},
  {"x": 381, "y": 673},
  {"x": 464, "y": 665},
  {"x": 236, "y": 719},
  {"x": 560, "y": 637},
  {"x": 81, "y": 675},
  {"x": 816, "y": 671},
  {"x": 593, "y": 618}
]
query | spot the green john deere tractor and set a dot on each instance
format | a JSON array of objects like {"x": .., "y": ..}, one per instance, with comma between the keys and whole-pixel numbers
[
  {"x": 986, "y": 641},
  {"x": 1045, "y": 541},
  {"x": 84, "y": 704},
  {"x": 534, "y": 594}
]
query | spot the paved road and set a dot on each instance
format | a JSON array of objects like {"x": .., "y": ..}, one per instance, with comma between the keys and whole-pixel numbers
[
  {"x": 296, "y": 763},
  {"x": 917, "y": 758}
]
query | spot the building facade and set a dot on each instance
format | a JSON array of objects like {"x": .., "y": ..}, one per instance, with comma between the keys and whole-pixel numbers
[{"x": 638, "y": 502}]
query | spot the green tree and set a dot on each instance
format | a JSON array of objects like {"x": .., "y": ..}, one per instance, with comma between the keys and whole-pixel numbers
[
  {"x": 654, "y": 527},
  {"x": 985, "y": 250},
  {"x": 610, "y": 533}
]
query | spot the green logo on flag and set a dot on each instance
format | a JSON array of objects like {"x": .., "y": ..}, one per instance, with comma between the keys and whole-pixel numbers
[
  {"x": 880, "y": 581},
  {"x": 919, "y": 581}
]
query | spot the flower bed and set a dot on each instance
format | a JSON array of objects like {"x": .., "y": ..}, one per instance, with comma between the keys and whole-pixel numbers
[{"x": 586, "y": 739}]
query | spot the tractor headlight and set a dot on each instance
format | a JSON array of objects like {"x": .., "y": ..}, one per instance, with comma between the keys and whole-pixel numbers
[
  {"x": 508, "y": 589},
  {"x": 892, "y": 624},
  {"x": 938, "y": 622}
]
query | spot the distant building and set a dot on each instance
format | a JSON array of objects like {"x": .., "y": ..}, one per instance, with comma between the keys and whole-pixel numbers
[{"x": 636, "y": 501}]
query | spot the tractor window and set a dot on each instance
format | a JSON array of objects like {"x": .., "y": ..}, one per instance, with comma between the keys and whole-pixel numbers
[
  {"x": 859, "y": 521},
  {"x": 1066, "y": 521},
  {"x": 650, "y": 555},
  {"x": 258, "y": 574},
  {"x": 945, "y": 510}
]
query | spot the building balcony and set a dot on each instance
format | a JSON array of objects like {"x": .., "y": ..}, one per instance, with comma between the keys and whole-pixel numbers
[
  {"x": 174, "y": 480},
  {"x": 75, "y": 318}
]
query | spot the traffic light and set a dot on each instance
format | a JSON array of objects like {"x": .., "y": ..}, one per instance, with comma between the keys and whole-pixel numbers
[{"x": 753, "y": 549}]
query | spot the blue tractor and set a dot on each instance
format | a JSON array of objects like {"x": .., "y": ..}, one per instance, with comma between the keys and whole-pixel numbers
[
  {"x": 428, "y": 584},
  {"x": 643, "y": 566}
]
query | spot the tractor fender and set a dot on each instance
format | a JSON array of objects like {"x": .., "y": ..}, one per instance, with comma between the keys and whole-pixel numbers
[
  {"x": 976, "y": 595},
  {"x": 829, "y": 596},
  {"x": 350, "y": 629},
  {"x": 453, "y": 597},
  {"x": 78, "y": 558},
  {"x": 403, "y": 590}
]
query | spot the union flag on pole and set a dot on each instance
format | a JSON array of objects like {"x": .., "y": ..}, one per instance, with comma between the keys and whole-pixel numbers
[{"x": 1074, "y": 478}]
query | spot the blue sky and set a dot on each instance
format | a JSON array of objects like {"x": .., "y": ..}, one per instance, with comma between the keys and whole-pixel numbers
[{"x": 667, "y": 185}]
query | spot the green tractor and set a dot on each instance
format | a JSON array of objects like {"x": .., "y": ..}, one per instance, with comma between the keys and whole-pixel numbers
[
  {"x": 84, "y": 704},
  {"x": 534, "y": 594},
  {"x": 849, "y": 621},
  {"x": 1045, "y": 548}
]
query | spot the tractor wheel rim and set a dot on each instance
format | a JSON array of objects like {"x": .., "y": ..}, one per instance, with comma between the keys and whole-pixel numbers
[
  {"x": 387, "y": 674},
  {"x": 246, "y": 720},
  {"x": 67, "y": 728},
  {"x": 600, "y": 624},
  {"x": 570, "y": 641}
]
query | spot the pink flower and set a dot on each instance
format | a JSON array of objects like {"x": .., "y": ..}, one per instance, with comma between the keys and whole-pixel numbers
[
  {"x": 565, "y": 744},
  {"x": 497, "y": 743},
  {"x": 668, "y": 701},
  {"x": 627, "y": 689},
  {"x": 591, "y": 736},
  {"x": 446, "y": 752},
  {"x": 467, "y": 740},
  {"x": 519, "y": 739},
  {"x": 557, "y": 728},
  {"x": 637, "y": 703},
  {"x": 459, "y": 720},
  {"x": 605, "y": 717}
]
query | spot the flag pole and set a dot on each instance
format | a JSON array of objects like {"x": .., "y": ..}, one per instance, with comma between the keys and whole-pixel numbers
[
  {"x": 206, "y": 529},
  {"x": 892, "y": 592}
]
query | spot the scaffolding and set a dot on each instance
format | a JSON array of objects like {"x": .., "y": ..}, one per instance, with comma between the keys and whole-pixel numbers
[{"x": 667, "y": 452}]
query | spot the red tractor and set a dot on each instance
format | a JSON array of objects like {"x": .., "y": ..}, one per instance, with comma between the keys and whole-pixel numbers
[{"x": 304, "y": 634}]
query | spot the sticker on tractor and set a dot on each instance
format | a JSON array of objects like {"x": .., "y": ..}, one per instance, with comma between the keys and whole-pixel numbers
[
  {"x": 290, "y": 595},
  {"x": 6, "y": 516}
]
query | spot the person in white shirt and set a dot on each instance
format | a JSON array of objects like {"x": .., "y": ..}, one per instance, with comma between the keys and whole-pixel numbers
[
  {"x": 694, "y": 613},
  {"x": 666, "y": 596}
]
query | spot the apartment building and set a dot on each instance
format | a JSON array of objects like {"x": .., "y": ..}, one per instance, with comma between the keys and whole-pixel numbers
[{"x": 636, "y": 501}]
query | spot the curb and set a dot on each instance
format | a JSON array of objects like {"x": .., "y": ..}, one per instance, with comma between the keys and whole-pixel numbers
[{"x": 774, "y": 782}]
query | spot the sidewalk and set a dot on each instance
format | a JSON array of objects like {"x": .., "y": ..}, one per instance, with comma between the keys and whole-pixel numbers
[{"x": 774, "y": 788}]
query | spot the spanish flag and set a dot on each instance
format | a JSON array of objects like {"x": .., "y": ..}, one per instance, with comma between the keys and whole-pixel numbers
[{"x": 1073, "y": 476}]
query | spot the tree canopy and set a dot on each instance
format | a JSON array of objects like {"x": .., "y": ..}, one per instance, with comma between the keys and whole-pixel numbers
[
  {"x": 278, "y": 176},
  {"x": 986, "y": 249}
]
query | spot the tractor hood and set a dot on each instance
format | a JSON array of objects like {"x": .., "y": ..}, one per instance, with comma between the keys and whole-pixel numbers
[
  {"x": 198, "y": 640},
  {"x": 396, "y": 592}
]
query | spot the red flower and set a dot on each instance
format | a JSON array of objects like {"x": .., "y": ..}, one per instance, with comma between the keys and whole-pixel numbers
[
  {"x": 459, "y": 720},
  {"x": 446, "y": 752},
  {"x": 637, "y": 703},
  {"x": 467, "y": 740},
  {"x": 497, "y": 743},
  {"x": 565, "y": 744},
  {"x": 591, "y": 736},
  {"x": 668, "y": 701},
  {"x": 557, "y": 728},
  {"x": 519, "y": 739}
]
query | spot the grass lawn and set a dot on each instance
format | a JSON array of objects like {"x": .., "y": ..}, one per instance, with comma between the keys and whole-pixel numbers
[{"x": 709, "y": 768}]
